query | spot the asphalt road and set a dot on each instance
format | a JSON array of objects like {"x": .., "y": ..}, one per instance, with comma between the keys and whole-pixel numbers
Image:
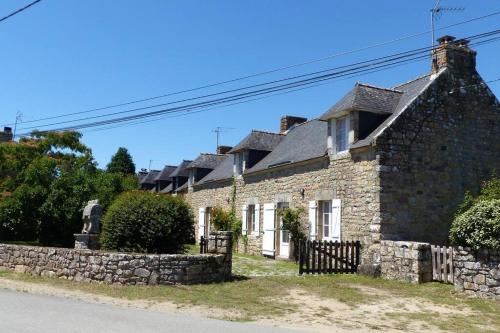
[{"x": 26, "y": 313}]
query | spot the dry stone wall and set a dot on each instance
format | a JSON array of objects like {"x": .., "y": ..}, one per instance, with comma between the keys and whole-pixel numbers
[
  {"x": 123, "y": 268},
  {"x": 406, "y": 261},
  {"x": 477, "y": 272}
]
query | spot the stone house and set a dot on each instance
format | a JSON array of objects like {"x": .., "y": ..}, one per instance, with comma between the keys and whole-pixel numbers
[{"x": 382, "y": 163}]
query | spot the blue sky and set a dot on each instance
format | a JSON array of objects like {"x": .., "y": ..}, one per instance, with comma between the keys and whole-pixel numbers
[{"x": 63, "y": 56}]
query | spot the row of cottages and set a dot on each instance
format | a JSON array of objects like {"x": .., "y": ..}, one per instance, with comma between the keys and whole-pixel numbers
[{"x": 382, "y": 163}]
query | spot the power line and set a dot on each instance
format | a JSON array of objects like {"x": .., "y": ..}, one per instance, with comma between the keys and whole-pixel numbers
[
  {"x": 408, "y": 56},
  {"x": 267, "y": 71},
  {"x": 19, "y": 10},
  {"x": 367, "y": 63}
]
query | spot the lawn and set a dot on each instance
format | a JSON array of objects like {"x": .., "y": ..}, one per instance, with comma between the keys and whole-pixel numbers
[{"x": 271, "y": 291}]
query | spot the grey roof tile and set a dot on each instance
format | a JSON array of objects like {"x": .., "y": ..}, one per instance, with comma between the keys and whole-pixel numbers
[
  {"x": 165, "y": 173},
  {"x": 167, "y": 189},
  {"x": 364, "y": 97},
  {"x": 206, "y": 161},
  {"x": 150, "y": 177},
  {"x": 223, "y": 171},
  {"x": 303, "y": 142},
  {"x": 181, "y": 170},
  {"x": 258, "y": 140}
]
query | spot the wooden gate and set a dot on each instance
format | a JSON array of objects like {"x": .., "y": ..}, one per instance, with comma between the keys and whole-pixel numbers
[
  {"x": 204, "y": 245},
  {"x": 442, "y": 263},
  {"x": 328, "y": 257}
]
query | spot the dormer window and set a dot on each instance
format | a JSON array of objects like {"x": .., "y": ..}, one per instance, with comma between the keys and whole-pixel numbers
[
  {"x": 240, "y": 162},
  {"x": 342, "y": 134},
  {"x": 191, "y": 177}
]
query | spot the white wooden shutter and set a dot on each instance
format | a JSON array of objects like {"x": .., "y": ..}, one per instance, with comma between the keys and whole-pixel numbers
[
  {"x": 336, "y": 220},
  {"x": 244, "y": 222},
  {"x": 268, "y": 239},
  {"x": 313, "y": 208},
  {"x": 257, "y": 219},
  {"x": 201, "y": 222}
]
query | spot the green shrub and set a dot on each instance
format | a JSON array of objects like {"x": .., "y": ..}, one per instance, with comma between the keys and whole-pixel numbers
[
  {"x": 291, "y": 222},
  {"x": 226, "y": 221},
  {"x": 479, "y": 226},
  {"x": 140, "y": 221}
]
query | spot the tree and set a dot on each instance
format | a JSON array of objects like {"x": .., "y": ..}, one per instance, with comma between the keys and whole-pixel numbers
[
  {"x": 291, "y": 222},
  {"x": 121, "y": 162},
  {"x": 139, "y": 221},
  {"x": 45, "y": 181}
]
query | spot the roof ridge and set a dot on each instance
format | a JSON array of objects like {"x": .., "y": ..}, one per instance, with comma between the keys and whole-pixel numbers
[
  {"x": 265, "y": 132},
  {"x": 214, "y": 154},
  {"x": 377, "y": 87},
  {"x": 413, "y": 80}
]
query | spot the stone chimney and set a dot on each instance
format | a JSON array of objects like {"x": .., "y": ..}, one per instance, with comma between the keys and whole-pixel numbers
[
  {"x": 288, "y": 122},
  {"x": 6, "y": 135},
  {"x": 453, "y": 54},
  {"x": 223, "y": 149}
]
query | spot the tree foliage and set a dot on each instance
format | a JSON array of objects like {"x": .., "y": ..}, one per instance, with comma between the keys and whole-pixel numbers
[
  {"x": 45, "y": 181},
  {"x": 292, "y": 223},
  {"x": 226, "y": 221},
  {"x": 121, "y": 162},
  {"x": 477, "y": 221},
  {"x": 139, "y": 221}
]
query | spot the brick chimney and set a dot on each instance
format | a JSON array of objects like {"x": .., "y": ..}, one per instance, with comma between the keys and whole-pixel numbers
[
  {"x": 288, "y": 122},
  {"x": 6, "y": 135},
  {"x": 453, "y": 54},
  {"x": 223, "y": 149}
]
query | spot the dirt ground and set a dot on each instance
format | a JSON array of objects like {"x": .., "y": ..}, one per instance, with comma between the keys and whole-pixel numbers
[{"x": 314, "y": 314}]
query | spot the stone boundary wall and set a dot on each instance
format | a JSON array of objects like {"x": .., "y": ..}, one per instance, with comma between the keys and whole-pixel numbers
[
  {"x": 477, "y": 272},
  {"x": 123, "y": 268},
  {"x": 406, "y": 261}
]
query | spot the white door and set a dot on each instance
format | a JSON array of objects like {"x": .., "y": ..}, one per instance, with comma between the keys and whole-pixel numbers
[
  {"x": 201, "y": 222},
  {"x": 284, "y": 235},
  {"x": 336, "y": 220},
  {"x": 269, "y": 229}
]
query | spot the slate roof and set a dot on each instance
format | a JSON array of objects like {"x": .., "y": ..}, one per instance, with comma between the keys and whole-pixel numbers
[
  {"x": 364, "y": 97},
  {"x": 165, "y": 173},
  {"x": 410, "y": 90},
  {"x": 258, "y": 140},
  {"x": 206, "y": 161},
  {"x": 150, "y": 177},
  {"x": 303, "y": 142},
  {"x": 182, "y": 188},
  {"x": 181, "y": 171},
  {"x": 223, "y": 171},
  {"x": 167, "y": 189}
]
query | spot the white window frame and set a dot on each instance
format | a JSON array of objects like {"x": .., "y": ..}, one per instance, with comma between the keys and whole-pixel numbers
[
  {"x": 328, "y": 217},
  {"x": 251, "y": 212},
  {"x": 344, "y": 119}
]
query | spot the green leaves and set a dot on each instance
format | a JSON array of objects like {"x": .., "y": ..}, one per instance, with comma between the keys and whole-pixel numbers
[
  {"x": 121, "y": 162},
  {"x": 140, "y": 221}
]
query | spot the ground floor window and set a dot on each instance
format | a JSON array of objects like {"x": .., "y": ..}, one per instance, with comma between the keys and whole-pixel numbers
[
  {"x": 326, "y": 218},
  {"x": 251, "y": 227}
]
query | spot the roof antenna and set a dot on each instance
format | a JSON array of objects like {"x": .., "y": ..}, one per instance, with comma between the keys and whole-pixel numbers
[
  {"x": 19, "y": 118},
  {"x": 437, "y": 12},
  {"x": 218, "y": 130}
]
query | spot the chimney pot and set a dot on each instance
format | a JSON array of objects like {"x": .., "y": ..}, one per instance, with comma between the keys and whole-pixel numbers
[
  {"x": 454, "y": 55},
  {"x": 445, "y": 39},
  {"x": 7, "y": 130}
]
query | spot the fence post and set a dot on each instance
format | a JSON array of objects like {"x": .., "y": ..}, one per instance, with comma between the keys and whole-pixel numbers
[
  {"x": 301, "y": 247},
  {"x": 358, "y": 250},
  {"x": 308, "y": 257}
]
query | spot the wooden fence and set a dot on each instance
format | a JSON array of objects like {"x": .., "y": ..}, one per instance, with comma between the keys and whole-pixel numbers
[
  {"x": 442, "y": 263},
  {"x": 328, "y": 257}
]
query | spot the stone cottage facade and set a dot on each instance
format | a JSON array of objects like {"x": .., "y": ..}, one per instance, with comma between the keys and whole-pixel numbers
[{"x": 382, "y": 163}]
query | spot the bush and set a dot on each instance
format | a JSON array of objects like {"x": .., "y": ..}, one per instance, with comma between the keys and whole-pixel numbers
[
  {"x": 226, "y": 221},
  {"x": 139, "y": 221},
  {"x": 479, "y": 226},
  {"x": 291, "y": 222}
]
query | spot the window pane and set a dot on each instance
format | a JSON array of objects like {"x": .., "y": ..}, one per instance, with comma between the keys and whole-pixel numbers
[
  {"x": 251, "y": 218},
  {"x": 327, "y": 213},
  {"x": 341, "y": 134},
  {"x": 285, "y": 236}
]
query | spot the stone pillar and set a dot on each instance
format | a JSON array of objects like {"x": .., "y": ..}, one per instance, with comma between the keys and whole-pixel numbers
[
  {"x": 221, "y": 242},
  {"x": 87, "y": 242}
]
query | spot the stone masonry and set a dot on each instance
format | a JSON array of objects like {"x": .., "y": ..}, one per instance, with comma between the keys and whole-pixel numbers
[
  {"x": 477, "y": 272},
  {"x": 123, "y": 268},
  {"x": 406, "y": 261}
]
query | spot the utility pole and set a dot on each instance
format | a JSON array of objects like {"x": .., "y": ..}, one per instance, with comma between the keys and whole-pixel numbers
[
  {"x": 218, "y": 130},
  {"x": 150, "y": 162},
  {"x": 19, "y": 117},
  {"x": 436, "y": 13}
]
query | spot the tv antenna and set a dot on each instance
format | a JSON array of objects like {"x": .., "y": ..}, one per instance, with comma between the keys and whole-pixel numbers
[
  {"x": 19, "y": 118},
  {"x": 437, "y": 12},
  {"x": 218, "y": 130}
]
